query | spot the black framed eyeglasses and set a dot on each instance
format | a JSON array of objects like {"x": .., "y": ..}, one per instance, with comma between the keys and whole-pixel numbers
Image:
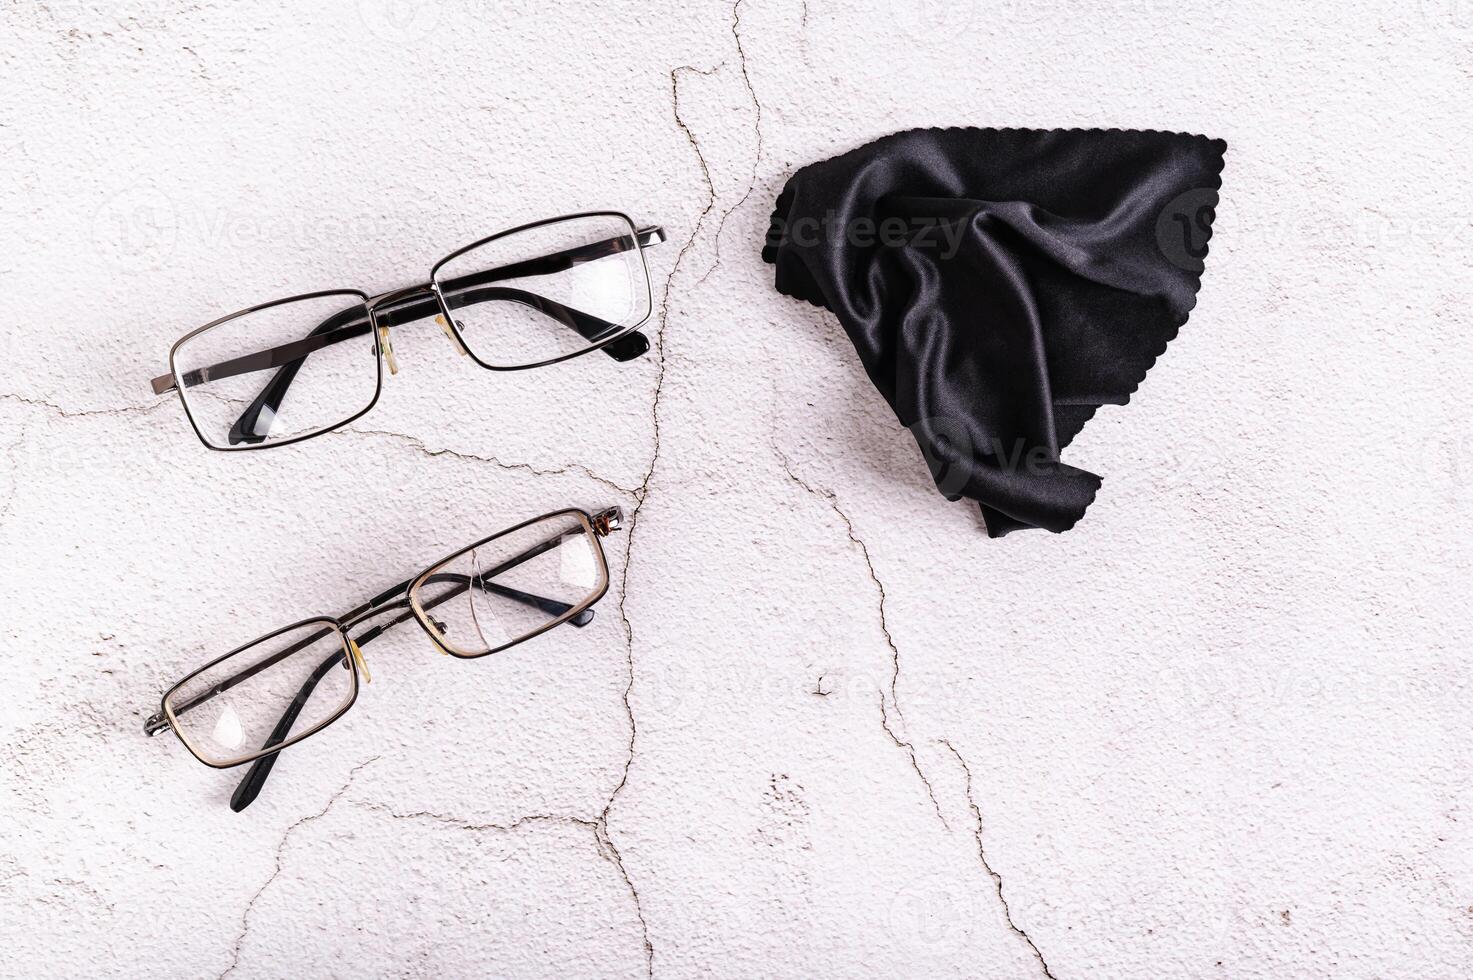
[
  {"x": 295, "y": 681},
  {"x": 523, "y": 298}
]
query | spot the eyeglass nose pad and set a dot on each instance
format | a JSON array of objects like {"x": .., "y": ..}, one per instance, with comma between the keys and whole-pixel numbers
[
  {"x": 388, "y": 348},
  {"x": 440, "y": 319},
  {"x": 358, "y": 659}
]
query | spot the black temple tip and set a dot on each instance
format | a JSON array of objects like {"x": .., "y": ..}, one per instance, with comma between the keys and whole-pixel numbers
[
  {"x": 628, "y": 348},
  {"x": 250, "y": 786}
]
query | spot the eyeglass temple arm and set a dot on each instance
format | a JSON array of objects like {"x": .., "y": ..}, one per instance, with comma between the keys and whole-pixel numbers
[
  {"x": 330, "y": 331},
  {"x": 290, "y": 356},
  {"x": 250, "y": 786}
]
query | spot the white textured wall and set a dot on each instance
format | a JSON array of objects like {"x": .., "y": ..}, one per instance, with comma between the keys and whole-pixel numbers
[{"x": 821, "y": 727}]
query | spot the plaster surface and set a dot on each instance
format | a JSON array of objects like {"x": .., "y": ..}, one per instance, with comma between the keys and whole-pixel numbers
[{"x": 821, "y": 725}]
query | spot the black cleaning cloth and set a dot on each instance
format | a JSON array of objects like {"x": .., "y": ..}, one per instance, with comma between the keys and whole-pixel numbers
[{"x": 1000, "y": 285}]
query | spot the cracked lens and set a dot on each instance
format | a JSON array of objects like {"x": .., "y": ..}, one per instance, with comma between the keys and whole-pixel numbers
[
  {"x": 514, "y": 585},
  {"x": 491, "y": 634}
]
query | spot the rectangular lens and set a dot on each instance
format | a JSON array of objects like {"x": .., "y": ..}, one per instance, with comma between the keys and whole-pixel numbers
[
  {"x": 280, "y": 371},
  {"x": 513, "y": 586},
  {"x": 266, "y": 695},
  {"x": 549, "y": 291}
]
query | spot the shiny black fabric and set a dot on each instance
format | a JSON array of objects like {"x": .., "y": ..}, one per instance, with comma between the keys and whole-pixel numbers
[{"x": 1000, "y": 286}]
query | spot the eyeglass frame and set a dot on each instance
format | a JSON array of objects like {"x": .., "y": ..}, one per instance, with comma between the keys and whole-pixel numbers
[
  {"x": 645, "y": 237},
  {"x": 399, "y": 597}
]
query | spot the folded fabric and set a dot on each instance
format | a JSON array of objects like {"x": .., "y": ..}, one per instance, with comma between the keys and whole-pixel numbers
[{"x": 1000, "y": 285}]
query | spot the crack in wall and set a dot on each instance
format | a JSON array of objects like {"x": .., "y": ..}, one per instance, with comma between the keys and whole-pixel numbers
[
  {"x": 245, "y": 915},
  {"x": 803, "y": 32},
  {"x": 610, "y": 853},
  {"x": 758, "y": 138},
  {"x": 1007, "y": 910},
  {"x": 85, "y": 888},
  {"x": 915, "y": 763},
  {"x": 87, "y": 413},
  {"x": 460, "y": 823},
  {"x": 14, "y": 490},
  {"x": 832, "y": 499},
  {"x": 908, "y": 747},
  {"x": 418, "y": 444},
  {"x": 596, "y": 828},
  {"x": 641, "y": 494}
]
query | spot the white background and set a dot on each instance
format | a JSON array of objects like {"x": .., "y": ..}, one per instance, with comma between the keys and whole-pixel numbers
[{"x": 821, "y": 726}]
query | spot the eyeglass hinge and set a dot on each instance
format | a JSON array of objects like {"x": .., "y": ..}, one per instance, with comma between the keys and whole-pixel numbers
[
  {"x": 155, "y": 724},
  {"x": 607, "y": 521}
]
